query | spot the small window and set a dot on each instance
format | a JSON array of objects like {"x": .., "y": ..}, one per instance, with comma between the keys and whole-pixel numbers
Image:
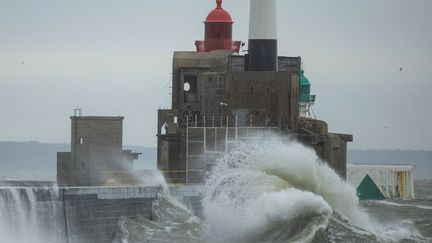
[
  {"x": 175, "y": 120},
  {"x": 164, "y": 128},
  {"x": 81, "y": 140},
  {"x": 190, "y": 87}
]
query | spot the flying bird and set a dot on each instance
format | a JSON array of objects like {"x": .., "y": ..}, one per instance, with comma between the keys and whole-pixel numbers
[
  {"x": 400, "y": 69},
  {"x": 21, "y": 63}
]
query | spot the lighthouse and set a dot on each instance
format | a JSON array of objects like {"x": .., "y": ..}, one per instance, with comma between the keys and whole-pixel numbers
[
  {"x": 218, "y": 32},
  {"x": 221, "y": 98},
  {"x": 263, "y": 54}
]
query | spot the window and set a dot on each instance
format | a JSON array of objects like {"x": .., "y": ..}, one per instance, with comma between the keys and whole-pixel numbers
[
  {"x": 190, "y": 87},
  {"x": 163, "y": 129},
  {"x": 81, "y": 140}
]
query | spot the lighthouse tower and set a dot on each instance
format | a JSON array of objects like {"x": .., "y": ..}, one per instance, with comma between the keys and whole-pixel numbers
[
  {"x": 218, "y": 32},
  {"x": 221, "y": 98}
]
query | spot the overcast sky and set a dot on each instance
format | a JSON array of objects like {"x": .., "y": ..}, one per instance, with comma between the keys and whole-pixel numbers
[{"x": 113, "y": 57}]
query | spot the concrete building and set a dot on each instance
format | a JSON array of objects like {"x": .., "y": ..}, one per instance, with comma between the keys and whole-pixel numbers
[
  {"x": 394, "y": 181},
  {"x": 220, "y": 97},
  {"x": 96, "y": 151}
]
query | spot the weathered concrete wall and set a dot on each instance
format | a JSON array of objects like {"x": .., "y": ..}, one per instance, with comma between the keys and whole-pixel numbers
[{"x": 91, "y": 214}]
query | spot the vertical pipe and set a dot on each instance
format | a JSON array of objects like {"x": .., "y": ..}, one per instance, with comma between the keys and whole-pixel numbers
[
  {"x": 226, "y": 135},
  {"x": 262, "y": 55},
  {"x": 236, "y": 129},
  {"x": 187, "y": 152},
  {"x": 215, "y": 138},
  {"x": 205, "y": 146}
]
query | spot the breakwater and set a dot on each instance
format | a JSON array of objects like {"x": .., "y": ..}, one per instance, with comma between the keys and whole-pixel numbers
[{"x": 76, "y": 214}]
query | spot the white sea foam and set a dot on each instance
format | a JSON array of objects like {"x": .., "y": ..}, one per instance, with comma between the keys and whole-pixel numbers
[
  {"x": 389, "y": 203},
  {"x": 268, "y": 191},
  {"x": 24, "y": 219},
  {"x": 280, "y": 191}
]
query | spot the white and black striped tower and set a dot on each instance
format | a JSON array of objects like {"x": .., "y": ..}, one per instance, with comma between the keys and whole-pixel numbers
[{"x": 262, "y": 54}]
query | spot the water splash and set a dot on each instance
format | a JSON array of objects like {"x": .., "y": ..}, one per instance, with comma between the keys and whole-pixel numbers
[
  {"x": 275, "y": 190},
  {"x": 172, "y": 222},
  {"x": 268, "y": 191},
  {"x": 30, "y": 215}
]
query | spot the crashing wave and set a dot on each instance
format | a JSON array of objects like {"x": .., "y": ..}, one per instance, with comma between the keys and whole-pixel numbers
[{"x": 267, "y": 191}]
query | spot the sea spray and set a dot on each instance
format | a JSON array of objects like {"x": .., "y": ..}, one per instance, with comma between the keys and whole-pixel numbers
[
  {"x": 267, "y": 191},
  {"x": 171, "y": 222},
  {"x": 30, "y": 215},
  {"x": 275, "y": 190}
]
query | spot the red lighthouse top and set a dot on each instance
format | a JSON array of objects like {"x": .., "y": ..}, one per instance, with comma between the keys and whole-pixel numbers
[
  {"x": 219, "y": 15},
  {"x": 218, "y": 32}
]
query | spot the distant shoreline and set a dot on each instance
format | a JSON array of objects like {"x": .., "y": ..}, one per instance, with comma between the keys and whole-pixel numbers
[{"x": 40, "y": 158}]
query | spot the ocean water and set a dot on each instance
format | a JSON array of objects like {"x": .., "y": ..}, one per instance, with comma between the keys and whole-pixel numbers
[
  {"x": 276, "y": 191},
  {"x": 267, "y": 191}
]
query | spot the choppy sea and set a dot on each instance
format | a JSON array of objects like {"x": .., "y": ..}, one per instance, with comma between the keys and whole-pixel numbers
[
  {"x": 267, "y": 191},
  {"x": 281, "y": 192}
]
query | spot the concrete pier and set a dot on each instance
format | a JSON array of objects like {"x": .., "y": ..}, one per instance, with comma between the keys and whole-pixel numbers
[{"x": 91, "y": 214}]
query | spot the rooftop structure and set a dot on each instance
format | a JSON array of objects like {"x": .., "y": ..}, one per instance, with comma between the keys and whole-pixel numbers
[
  {"x": 218, "y": 32},
  {"x": 96, "y": 149},
  {"x": 306, "y": 99}
]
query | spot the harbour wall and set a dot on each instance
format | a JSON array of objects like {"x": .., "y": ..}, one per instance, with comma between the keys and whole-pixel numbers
[{"x": 79, "y": 214}]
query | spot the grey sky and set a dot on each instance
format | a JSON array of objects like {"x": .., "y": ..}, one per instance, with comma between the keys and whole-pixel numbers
[{"x": 114, "y": 58}]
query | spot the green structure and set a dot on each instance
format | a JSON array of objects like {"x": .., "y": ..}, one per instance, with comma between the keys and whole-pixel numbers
[
  {"x": 368, "y": 190},
  {"x": 306, "y": 100},
  {"x": 305, "y": 85}
]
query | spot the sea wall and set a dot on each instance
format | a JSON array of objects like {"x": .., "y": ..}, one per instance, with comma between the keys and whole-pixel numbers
[{"x": 80, "y": 214}]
